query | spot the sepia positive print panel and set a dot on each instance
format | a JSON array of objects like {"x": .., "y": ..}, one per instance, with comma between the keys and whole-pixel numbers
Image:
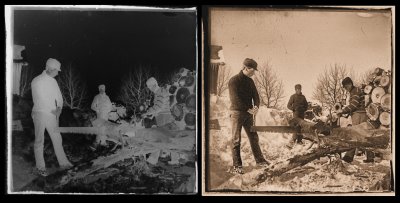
[
  {"x": 298, "y": 101},
  {"x": 102, "y": 100}
]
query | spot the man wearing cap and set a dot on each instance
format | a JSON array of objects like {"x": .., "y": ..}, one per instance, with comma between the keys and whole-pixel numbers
[
  {"x": 356, "y": 109},
  {"x": 298, "y": 104},
  {"x": 102, "y": 106},
  {"x": 244, "y": 105},
  {"x": 161, "y": 108},
  {"x": 101, "y": 103},
  {"x": 48, "y": 102}
]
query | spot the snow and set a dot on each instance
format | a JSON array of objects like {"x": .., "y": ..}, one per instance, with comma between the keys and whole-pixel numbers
[{"x": 314, "y": 176}]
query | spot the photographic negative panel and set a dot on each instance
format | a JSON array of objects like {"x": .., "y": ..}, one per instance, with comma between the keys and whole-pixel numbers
[{"x": 92, "y": 106}]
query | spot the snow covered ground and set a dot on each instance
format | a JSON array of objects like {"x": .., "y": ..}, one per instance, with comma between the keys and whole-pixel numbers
[{"x": 319, "y": 175}]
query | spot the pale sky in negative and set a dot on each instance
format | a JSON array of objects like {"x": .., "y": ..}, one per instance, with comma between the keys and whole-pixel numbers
[{"x": 299, "y": 44}]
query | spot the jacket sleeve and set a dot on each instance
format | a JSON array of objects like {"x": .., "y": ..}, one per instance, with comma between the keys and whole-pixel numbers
[
  {"x": 94, "y": 104},
  {"x": 109, "y": 104},
  {"x": 256, "y": 96},
  {"x": 353, "y": 104},
  {"x": 159, "y": 103},
  {"x": 233, "y": 94},
  {"x": 59, "y": 98},
  {"x": 34, "y": 91},
  {"x": 305, "y": 103},
  {"x": 290, "y": 103}
]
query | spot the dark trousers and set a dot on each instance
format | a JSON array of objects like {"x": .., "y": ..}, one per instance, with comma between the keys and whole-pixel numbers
[
  {"x": 298, "y": 136},
  {"x": 244, "y": 119}
]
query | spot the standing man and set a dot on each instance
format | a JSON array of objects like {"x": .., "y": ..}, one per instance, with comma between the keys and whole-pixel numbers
[
  {"x": 298, "y": 104},
  {"x": 102, "y": 106},
  {"x": 46, "y": 110},
  {"x": 356, "y": 109},
  {"x": 242, "y": 93},
  {"x": 101, "y": 103}
]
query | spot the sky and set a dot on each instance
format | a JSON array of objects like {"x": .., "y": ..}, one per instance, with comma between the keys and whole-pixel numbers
[
  {"x": 299, "y": 44},
  {"x": 106, "y": 44}
]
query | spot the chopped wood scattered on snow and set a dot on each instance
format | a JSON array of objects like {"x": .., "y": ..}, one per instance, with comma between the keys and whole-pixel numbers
[{"x": 341, "y": 140}]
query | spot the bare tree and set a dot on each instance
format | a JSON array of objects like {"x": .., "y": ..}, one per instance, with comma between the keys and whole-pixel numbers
[
  {"x": 73, "y": 89},
  {"x": 328, "y": 90},
  {"x": 134, "y": 91},
  {"x": 224, "y": 74},
  {"x": 270, "y": 86}
]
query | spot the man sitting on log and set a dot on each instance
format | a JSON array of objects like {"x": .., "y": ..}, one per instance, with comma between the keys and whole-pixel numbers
[
  {"x": 161, "y": 109},
  {"x": 356, "y": 109}
]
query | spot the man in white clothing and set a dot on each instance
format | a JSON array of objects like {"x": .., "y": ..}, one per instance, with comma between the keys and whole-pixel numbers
[
  {"x": 102, "y": 106},
  {"x": 161, "y": 109},
  {"x": 46, "y": 110}
]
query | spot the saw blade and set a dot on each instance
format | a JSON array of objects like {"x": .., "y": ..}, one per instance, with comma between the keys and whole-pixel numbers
[
  {"x": 275, "y": 129},
  {"x": 79, "y": 130}
]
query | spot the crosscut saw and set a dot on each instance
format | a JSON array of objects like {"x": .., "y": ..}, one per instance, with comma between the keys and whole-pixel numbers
[{"x": 276, "y": 129}]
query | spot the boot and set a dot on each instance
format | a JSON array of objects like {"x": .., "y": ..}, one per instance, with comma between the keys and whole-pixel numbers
[{"x": 290, "y": 145}]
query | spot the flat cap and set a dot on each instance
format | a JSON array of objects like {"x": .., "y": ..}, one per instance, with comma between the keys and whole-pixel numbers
[{"x": 250, "y": 63}]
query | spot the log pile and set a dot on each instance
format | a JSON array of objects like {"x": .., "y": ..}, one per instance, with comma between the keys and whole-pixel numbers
[
  {"x": 183, "y": 98},
  {"x": 378, "y": 98}
]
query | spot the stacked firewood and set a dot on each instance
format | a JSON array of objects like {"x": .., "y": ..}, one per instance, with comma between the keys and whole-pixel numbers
[
  {"x": 183, "y": 98},
  {"x": 378, "y": 98}
]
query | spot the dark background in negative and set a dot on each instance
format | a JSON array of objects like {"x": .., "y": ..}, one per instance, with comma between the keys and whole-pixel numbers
[{"x": 106, "y": 45}]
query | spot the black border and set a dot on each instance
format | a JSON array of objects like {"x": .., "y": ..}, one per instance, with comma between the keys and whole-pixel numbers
[{"x": 201, "y": 20}]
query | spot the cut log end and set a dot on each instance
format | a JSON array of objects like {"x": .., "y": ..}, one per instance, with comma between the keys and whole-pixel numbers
[
  {"x": 377, "y": 94},
  {"x": 373, "y": 111},
  {"x": 368, "y": 89},
  {"x": 385, "y": 81},
  {"x": 384, "y": 118},
  {"x": 386, "y": 102}
]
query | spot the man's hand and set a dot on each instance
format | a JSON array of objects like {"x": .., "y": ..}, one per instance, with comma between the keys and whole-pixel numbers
[
  {"x": 147, "y": 115},
  {"x": 57, "y": 112},
  {"x": 253, "y": 111},
  {"x": 339, "y": 112}
]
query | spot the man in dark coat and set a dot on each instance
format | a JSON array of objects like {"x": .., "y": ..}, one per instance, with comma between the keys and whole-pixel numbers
[
  {"x": 244, "y": 106},
  {"x": 356, "y": 109},
  {"x": 298, "y": 104}
]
